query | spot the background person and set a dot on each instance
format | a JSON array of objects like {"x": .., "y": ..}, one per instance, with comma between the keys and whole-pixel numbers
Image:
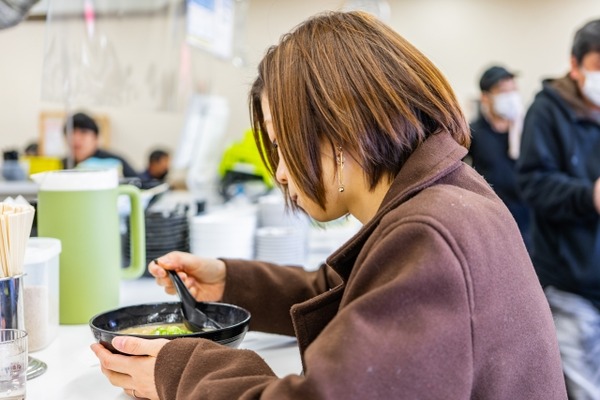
[
  {"x": 559, "y": 172},
  {"x": 496, "y": 137},
  {"x": 158, "y": 166},
  {"x": 85, "y": 146},
  {"x": 32, "y": 149},
  {"x": 423, "y": 302}
]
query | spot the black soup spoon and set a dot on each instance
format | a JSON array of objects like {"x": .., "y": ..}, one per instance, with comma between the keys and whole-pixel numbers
[{"x": 194, "y": 319}]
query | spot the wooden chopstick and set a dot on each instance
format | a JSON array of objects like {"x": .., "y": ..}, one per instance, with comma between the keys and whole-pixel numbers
[{"x": 16, "y": 221}]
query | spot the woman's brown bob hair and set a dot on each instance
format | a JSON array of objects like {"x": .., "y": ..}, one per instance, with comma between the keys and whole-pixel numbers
[{"x": 347, "y": 79}]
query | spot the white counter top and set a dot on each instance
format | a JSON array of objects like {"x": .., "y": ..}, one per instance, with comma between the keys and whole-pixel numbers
[{"x": 74, "y": 371}]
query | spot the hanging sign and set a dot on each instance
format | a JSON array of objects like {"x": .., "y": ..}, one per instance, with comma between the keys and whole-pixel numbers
[{"x": 210, "y": 26}]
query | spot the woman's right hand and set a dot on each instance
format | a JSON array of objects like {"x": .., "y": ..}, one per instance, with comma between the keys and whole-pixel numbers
[{"x": 204, "y": 277}]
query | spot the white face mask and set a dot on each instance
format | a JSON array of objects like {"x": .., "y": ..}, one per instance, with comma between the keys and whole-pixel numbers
[
  {"x": 507, "y": 105},
  {"x": 591, "y": 86}
]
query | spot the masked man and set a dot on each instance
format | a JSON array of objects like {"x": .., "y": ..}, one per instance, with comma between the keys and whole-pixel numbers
[
  {"x": 558, "y": 174},
  {"x": 496, "y": 137}
]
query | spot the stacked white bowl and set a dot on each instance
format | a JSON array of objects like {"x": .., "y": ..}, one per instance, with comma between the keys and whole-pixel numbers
[
  {"x": 281, "y": 245},
  {"x": 226, "y": 232},
  {"x": 282, "y": 237}
]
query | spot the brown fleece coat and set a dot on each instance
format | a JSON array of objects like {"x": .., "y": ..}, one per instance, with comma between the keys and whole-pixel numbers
[{"x": 434, "y": 298}]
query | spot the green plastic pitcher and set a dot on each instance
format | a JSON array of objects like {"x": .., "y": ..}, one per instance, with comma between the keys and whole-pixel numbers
[{"x": 79, "y": 207}]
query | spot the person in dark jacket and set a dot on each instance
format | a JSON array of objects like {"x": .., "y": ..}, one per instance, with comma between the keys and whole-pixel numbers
[
  {"x": 558, "y": 175},
  {"x": 85, "y": 147},
  {"x": 496, "y": 137},
  {"x": 424, "y": 302},
  {"x": 158, "y": 168}
]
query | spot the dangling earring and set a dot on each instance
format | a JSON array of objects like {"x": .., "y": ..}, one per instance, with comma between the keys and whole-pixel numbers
[{"x": 340, "y": 162}]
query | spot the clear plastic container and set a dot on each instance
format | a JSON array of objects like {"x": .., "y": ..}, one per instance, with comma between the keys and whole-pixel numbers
[{"x": 41, "y": 289}]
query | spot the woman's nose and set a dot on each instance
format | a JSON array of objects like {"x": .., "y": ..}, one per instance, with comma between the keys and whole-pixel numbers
[{"x": 281, "y": 174}]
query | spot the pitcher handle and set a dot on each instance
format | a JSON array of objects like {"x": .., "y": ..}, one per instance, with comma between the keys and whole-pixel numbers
[{"x": 137, "y": 234}]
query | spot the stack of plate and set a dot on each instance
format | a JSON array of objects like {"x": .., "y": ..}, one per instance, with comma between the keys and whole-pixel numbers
[
  {"x": 228, "y": 232},
  {"x": 165, "y": 232},
  {"x": 283, "y": 234},
  {"x": 281, "y": 245}
]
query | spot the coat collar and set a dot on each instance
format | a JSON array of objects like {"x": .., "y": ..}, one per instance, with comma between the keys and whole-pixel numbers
[{"x": 436, "y": 157}]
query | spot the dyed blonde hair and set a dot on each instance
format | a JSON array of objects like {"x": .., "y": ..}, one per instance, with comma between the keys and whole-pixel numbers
[{"x": 349, "y": 80}]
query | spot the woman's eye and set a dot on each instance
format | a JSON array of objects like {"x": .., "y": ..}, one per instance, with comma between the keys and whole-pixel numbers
[{"x": 274, "y": 144}]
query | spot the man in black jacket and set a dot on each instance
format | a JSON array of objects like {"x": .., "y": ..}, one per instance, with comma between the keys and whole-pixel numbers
[
  {"x": 496, "y": 137},
  {"x": 558, "y": 175},
  {"x": 84, "y": 143}
]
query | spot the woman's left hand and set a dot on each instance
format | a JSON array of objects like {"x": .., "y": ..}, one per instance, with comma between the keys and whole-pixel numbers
[{"x": 134, "y": 373}]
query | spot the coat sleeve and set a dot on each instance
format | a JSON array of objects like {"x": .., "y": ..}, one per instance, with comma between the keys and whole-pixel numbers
[
  {"x": 403, "y": 330},
  {"x": 542, "y": 178},
  {"x": 269, "y": 291}
]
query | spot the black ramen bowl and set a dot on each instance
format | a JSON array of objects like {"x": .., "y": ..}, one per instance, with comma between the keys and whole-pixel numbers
[{"x": 233, "y": 319}]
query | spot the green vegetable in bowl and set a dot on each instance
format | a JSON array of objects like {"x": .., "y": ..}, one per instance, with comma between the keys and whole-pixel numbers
[
  {"x": 157, "y": 329},
  {"x": 169, "y": 330}
]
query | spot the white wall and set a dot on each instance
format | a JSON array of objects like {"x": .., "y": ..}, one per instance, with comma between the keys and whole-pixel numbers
[{"x": 460, "y": 36}]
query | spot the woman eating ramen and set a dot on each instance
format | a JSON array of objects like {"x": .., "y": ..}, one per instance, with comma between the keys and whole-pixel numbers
[{"x": 434, "y": 298}]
